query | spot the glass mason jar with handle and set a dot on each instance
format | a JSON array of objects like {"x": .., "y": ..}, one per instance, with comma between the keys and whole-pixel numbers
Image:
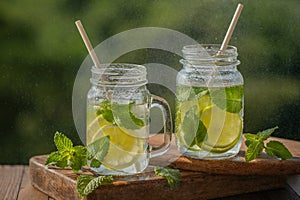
[
  {"x": 118, "y": 106},
  {"x": 210, "y": 101}
]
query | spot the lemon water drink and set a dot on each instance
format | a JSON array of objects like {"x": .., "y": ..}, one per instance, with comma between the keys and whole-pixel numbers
[
  {"x": 127, "y": 128},
  {"x": 209, "y": 109},
  {"x": 209, "y": 120},
  {"x": 118, "y": 110}
]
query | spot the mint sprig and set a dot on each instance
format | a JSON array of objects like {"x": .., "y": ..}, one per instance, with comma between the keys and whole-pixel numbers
[
  {"x": 255, "y": 144},
  {"x": 67, "y": 155},
  {"x": 172, "y": 175},
  {"x": 86, "y": 184},
  {"x": 76, "y": 157}
]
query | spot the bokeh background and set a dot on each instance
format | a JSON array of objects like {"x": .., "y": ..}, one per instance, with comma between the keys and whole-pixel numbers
[{"x": 41, "y": 51}]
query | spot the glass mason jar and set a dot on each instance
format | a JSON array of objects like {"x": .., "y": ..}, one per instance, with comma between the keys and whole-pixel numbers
[
  {"x": 118, "y": 106},
  {"x": 210, "y": 102}
]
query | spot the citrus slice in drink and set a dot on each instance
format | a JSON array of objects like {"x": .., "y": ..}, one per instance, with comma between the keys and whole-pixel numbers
[
  {"x": 223, "y": 129},
  {"x": 124, "y": 149}
]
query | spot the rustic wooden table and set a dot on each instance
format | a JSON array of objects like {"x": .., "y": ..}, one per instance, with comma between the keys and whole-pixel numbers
[{"x": 15, "y": 184}]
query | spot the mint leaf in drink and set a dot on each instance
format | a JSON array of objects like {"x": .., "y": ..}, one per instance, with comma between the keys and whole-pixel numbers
[
  {"x": 124, "y": 116},
  {"x": 189, "y": 126},
  {"x": 277, "y": 149},
  {"x": 254, "y": 149},
  {"x": 255, "y": 144},
  {"x": 228, "y": 98},
  {"x": 62, "y": 143},
  {"x": 136, "y": 120},
  {"x": 87, "y": 184},
  {"x": 172, "y": 175},
  {"x": 234, "y": 97},
  {"x": 106, "y": 111},
  {"x": 201, "y": 134},
  {"x": 97, "y": 150}
]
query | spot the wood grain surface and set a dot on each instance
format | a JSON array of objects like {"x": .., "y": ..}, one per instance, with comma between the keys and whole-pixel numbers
[
  {"x": 61, "y": 184},
  {"x": 11, "y": 178},
  {"x": 264, "y": 165}
]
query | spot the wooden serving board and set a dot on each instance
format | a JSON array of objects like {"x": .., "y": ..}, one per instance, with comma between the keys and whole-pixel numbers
[{"x": 198, "y": 182}]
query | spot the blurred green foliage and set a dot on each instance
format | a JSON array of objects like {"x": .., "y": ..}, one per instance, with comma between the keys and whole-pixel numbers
[{"x": 41, "y": 52}]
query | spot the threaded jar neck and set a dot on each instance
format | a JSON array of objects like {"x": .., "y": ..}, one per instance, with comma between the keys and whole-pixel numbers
[
  {"x": 206, "y": 56},
  {"x": 119, "y": 74}
]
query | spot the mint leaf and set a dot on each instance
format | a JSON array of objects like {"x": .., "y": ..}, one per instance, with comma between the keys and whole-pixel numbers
[
  {"x": 136, "y": 120},
  {"x": 228, "y": 98},
  {"x": 255, "y": 144},
  {"x": 234, "y": 97},
  {"x": 78, "y": 158},
  {"x": 254, "y": 149},
  {"x": 125, "y": 118},
  {"x": 106, "y": 111},
  {"x": 172, "y": 175},
  {"x": 67, "y": 155},
  {"x": 98, "y": 149},
  {"x": 95, "y": 163},
  {"x": 189, "y": 126},
  {"x": 250, "y": 138},
  {"x": 87, "y": 184},
  {"x": 201, "y": 134},
  {"x": 62, "y": 143},
  {"x": 263, "y": 135},
  {"x": 53, "y": 158},
  {"x": 277, "y": 149}
]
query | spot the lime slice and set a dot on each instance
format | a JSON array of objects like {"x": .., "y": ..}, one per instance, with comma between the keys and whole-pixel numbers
[{"x": 223, "y": 129}]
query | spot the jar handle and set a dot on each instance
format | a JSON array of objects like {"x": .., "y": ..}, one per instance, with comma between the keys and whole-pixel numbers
[{"x": 162, "y": 104}]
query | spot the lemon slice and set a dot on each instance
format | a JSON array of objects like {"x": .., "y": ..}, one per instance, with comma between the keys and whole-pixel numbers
[
  {"x": 124, "y": 149},
  {"x": 223, "y": 129}
]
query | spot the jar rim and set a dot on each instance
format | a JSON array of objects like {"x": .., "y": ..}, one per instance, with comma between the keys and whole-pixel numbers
[
  {"x": 116, "y": 68},
  {"x": 201, "y": 55},
  {"x": 119, "y": 74},
  {"x": 202, "y": 48}
]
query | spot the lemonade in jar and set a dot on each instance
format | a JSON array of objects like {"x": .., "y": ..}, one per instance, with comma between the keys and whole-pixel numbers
[
  {"x": 210, "y": 99},
  {"x": 118, "y": 108}
]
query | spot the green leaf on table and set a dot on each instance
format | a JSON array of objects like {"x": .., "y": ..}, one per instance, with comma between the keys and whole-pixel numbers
[
  {"x": 255, "y": 144},
  {"x": 95, "y": 163},
  {"x": 62, "y": 143},
  {"x": 53, "y": 158},
  {"x": 264, "y": 135},
  {"x": 86, "y": 184},
  {"x": 254, "y": 149},
  {"x": 172, "y": 175},
  {"x": 277, "y": 149},
  {"x": 97, "y": 150},
  {"x": 67, "y": 155},
  {"x": 78, "y": 158}
]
